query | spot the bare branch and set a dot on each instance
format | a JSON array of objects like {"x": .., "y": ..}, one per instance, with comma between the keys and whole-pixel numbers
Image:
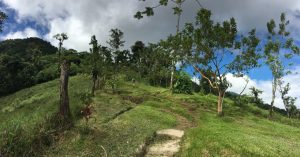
[
  {"x": 200, "y": 5},
  {"x": 202, "y": 74}
]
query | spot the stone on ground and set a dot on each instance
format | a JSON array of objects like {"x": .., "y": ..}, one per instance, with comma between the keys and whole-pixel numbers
[
  {"x": 171, "y": 133},
  {"x": 167, "y": 148}
]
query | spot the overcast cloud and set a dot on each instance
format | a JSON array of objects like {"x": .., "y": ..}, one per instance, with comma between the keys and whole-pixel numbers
[{"x": 82, "y": 18}]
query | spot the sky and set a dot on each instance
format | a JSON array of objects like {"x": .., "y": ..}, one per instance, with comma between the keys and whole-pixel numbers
[{"x": 81, "y": 19}]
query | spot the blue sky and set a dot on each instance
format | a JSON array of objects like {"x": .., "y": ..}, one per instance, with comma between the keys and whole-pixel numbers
[
  {"x": 12, "y": 25},
  {"x": 82, "y": 19}
]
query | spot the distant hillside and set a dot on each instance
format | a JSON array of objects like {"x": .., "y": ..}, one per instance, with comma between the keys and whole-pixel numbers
[
  {"x": 25, "y": 62},
  {"x": 25, "y": 47}
]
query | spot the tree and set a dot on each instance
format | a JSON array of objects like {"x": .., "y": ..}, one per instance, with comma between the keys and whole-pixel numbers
[
  {"x": 3, "y": 17},
  {"x": 61, "y": 38},
  {"x": 36, "y": 57},
  {"x": 64, "y": 63},
  {"x": 152, "y": 62},
  {"x": 255, "y": 92},
  {"x": 116, "y": 42},
  {"x": 294, "y": 112},
  {"x": 137, "y": 50},
  {"x": 149, "y": 11},
  {"x": 183, "y": 83},
  {"x": 94, "y": 61},
  {"x": 288, "y": 101},
  {"x": 277, "y": 42},
  {"x": 207, "y": 43},
  {"x": 246, "y": 79}
]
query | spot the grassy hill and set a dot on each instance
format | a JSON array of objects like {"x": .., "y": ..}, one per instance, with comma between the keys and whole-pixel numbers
[{"x": 125, "y": 122}]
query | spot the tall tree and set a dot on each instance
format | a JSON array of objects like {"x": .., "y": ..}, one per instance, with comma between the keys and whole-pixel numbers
[
  {"x": 3, "y": 17},
  {"x": 277, "y": 43},
  {"x": 255, "y": 92},
  {"x": 206, "y": 45},
  {"x": 61, "y": 38},
  {"x": 137, "y": 50},
  {"x": 116, "y": 42},
  {"x": 94, "y": 61},
  {"x": 64, "y": 107},
  {"x": 149, "y": 11},
  {"x": 288, "y": 101},
  {"x": 246, "y": 79}
]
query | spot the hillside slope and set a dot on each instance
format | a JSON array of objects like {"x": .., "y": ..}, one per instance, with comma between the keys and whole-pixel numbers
[{"x": 124, "y": 124}]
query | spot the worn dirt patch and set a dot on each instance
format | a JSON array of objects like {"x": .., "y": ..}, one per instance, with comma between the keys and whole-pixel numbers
[
  {"x": 167, "y": 147},
  {"x": 183, "y": 123},
  {"x": 171, "y": 133},
  {"x": 134, "y": 99}
]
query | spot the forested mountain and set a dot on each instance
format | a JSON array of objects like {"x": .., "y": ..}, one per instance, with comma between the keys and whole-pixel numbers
[
  {"x": 24, "y": 62},
  {"x": 25, "y": 47}
]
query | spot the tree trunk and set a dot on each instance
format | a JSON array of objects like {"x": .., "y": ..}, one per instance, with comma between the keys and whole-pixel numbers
[
  {"x": 239, "y": 97},
  {"x": 94, "y": 86},
  {"x": 220, "y": 103},
  {"x": 176, "y": 51},
  {"x": 172, "y": 77},
  {"x": 274, "y": 85},
  {"x": 98, "y": 83},
  {"x": 102, "y": 82},
  {"x": 64, "y": 108},
  {"x": 285, "y": 103}
]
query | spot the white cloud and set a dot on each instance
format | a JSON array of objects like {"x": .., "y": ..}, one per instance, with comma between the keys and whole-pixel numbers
[
  {"x": 196, "y": 80},
  {"x": 81, "y": 19},
  {"x": 75, "y": 30},
  {"x": 26, "y": 33},
  {"x": 266, "y": 86}
]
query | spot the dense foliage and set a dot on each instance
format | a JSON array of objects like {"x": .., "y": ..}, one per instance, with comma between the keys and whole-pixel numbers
[
  {"x": 183, "y": 84},
  {"x": 24, "y": 62}
]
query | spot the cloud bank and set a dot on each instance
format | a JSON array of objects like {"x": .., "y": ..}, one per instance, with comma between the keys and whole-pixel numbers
[
  {"x": 266, "y": 86},
  {"x": 239, "y": 83},
  {"x": 82, "y": 19},
  {"x": 28, "y": 32}
]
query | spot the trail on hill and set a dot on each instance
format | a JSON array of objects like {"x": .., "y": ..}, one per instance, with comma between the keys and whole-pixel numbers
[{"x": 166, "y": 143}]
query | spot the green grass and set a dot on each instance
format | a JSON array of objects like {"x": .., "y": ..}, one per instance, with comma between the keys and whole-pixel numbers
[
  {"x": 243, "y": 131},
  {"x": 24, "y": 113},
  {"x": 127, "y": 119},
  {"x": 119, "y": 137},
  {"x": 248, "y": 136}
]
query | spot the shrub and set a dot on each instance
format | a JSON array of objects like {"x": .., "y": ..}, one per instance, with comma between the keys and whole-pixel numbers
[{"x": 183, "y": 84}]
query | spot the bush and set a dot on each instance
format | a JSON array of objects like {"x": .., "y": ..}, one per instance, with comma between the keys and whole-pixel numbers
[
  {"x": 131, "y": 75},
  {"x": 113, "y": 83},
  {"x": 183, "y": 84},
  {"x": 47, "y": 74}
]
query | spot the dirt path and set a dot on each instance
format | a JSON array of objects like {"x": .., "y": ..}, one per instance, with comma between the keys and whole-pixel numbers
[{"x": 167, "y": 143}]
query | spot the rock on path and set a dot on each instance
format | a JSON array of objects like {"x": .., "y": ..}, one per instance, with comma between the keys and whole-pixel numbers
[{"x": 166, "y": 148}]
